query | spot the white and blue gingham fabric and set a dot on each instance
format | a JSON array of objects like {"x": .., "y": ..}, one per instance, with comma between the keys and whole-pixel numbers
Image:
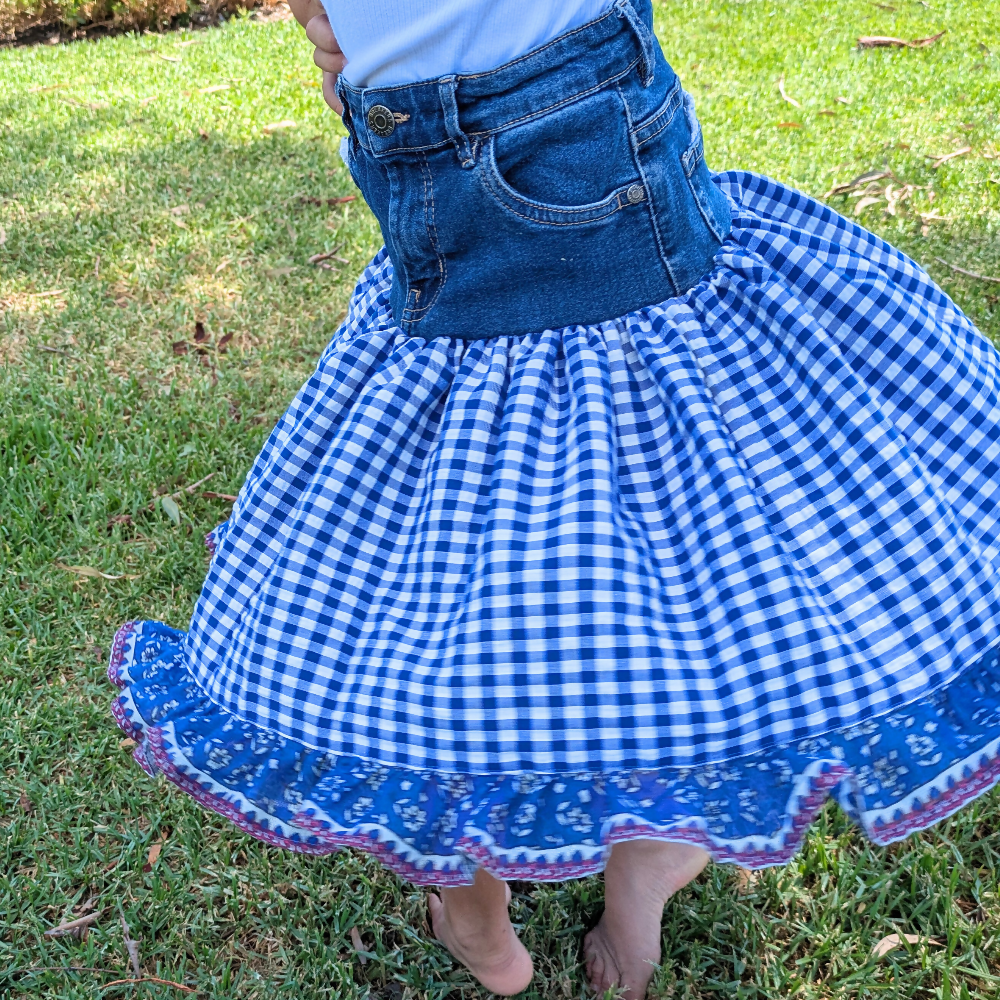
[{"x": 754, "y": 513}]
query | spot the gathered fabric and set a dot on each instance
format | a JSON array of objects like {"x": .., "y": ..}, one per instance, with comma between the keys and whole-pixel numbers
[
  {"x": 684, "y": 574},
  {"x": 753, "y": 513}
]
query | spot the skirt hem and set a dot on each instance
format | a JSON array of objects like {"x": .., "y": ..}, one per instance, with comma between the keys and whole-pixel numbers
[{"x": 158, "y": 751}]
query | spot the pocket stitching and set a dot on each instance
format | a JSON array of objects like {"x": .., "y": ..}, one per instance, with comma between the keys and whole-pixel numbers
[
  {"x": 671, "y": 98},
  {"x": 499, "y": 189},
  {"x": 560, "y": 104},
  {"x": 416, "y": 314},
  {"x": 695, "y": 153}
]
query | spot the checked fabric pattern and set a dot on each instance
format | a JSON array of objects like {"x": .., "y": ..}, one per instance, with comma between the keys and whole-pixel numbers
[{"x": 749, "y": 515}]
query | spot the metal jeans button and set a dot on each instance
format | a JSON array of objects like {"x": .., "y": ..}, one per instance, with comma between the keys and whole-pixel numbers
[
  {"x": 635, "y": 194},
  {"x": 380, "y": 120}
]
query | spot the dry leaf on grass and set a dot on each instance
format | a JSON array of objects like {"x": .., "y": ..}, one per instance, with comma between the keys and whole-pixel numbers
[
  {"x": 926, "y": 218},
  {"x": 152, "y": 856},
  {"x": 862, "y": 180},
  {"x": 3, "y": 236},
  {"x": 305, "y": 199},
  {"x": 274, "y": 126},
  {"x": 170, "y": 59},
  {"x": 359, "y": 945},
  {"x": 90, "y": 571},
  {"x": 219, "y": 496},
  {"x": 894, "y": 196},
  {"x": 42, "y": 90},
  {"x": 964, "y": 151},
  {"x": 885, "y": 41},
  {"x": 843, "y": 100},
  {"x": 25, "y": 803},
  {"x": 784, "y": 94},
  {"x": 318, "y": 258},
  {"x": 180, "y": 210},
  {"x": 127, "y": 743},
  {"x": 223, "y": 345},
  {"x": 74, "y": 927},
  {"x": 828, "y": 113},
  {"x": 866, "y": 203},
  {"x": 279, "y": 272},
  {"x": 789, "y": 125},
  {"x": 179, "y": 493},
  {"x": 148, "y": 979},
  {"x": 215, "y": 89},
  {"x": 132, "y": 947},
  {"x": 200, "y": 334},
  {"x": 891, "y": 941}
]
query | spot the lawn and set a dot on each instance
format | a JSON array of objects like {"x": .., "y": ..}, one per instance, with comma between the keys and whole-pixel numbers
[{"x": 159, "y": 311}]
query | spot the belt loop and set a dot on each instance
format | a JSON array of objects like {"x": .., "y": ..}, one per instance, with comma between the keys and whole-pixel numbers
[
  {"x": 447, "y": 86},
  {"x": 643, "y": 35}
]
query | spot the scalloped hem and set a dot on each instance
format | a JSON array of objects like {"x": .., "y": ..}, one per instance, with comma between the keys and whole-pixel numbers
[{"x": 314, "y": 830}]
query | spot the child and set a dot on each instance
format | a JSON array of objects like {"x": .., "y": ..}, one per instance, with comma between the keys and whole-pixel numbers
[{"x": 633, "y": 510}]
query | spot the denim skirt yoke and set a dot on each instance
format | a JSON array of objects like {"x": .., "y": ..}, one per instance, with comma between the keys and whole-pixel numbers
[{"x": 569, "y": 186}]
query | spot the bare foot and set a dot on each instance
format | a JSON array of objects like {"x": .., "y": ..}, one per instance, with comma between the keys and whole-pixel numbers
[
  {"x": 623, "y": 950},
  {"x": 473, "y": 924}
]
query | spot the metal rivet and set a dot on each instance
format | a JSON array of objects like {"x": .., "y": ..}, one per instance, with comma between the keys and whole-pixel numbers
[
  {"x": 635, "y": 194},
  {"x": 380, "y": 120}
]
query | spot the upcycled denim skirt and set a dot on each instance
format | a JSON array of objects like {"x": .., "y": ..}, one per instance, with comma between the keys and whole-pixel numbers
[{"x": 629, "y": 501}]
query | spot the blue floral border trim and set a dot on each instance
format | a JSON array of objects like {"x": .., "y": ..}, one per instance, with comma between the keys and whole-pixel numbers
[{"x": 317, "y": 831}]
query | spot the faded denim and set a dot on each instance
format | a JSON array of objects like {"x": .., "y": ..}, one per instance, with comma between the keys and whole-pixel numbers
[{"x": 568, "y": 186}]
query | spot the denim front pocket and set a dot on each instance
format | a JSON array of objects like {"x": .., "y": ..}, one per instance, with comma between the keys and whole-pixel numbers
[{"x": 569, "y": 166}]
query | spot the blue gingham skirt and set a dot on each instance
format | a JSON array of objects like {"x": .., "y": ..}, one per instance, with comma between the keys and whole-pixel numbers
[{"x": 756, "y": 515}]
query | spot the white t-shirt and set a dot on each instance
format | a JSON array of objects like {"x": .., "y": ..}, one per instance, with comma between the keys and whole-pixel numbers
[{"x": 389, "y": 42}]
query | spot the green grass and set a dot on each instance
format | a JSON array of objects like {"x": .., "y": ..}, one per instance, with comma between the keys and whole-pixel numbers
[{"x": 102, "y": 271}]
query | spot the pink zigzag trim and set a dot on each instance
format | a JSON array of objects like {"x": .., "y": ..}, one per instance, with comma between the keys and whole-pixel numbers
[
  {"x": 118, "y": 653},
  {"x": 160, "y": 756},
  {"x": 153, "y": 756},
  {"x": 946, "y": 804},
  {"x": 155, "y": 751}
]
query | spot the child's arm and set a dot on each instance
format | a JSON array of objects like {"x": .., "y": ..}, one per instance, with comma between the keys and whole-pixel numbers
[{"x": 329, "y": 58}]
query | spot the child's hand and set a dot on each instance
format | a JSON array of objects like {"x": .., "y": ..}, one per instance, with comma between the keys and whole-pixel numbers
[
  {"x": 305, "y": 10},
  {"x": 327, "y": 56}
]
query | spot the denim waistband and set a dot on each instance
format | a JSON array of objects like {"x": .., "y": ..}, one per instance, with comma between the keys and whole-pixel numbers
[{"x": 461, "y": 109}]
